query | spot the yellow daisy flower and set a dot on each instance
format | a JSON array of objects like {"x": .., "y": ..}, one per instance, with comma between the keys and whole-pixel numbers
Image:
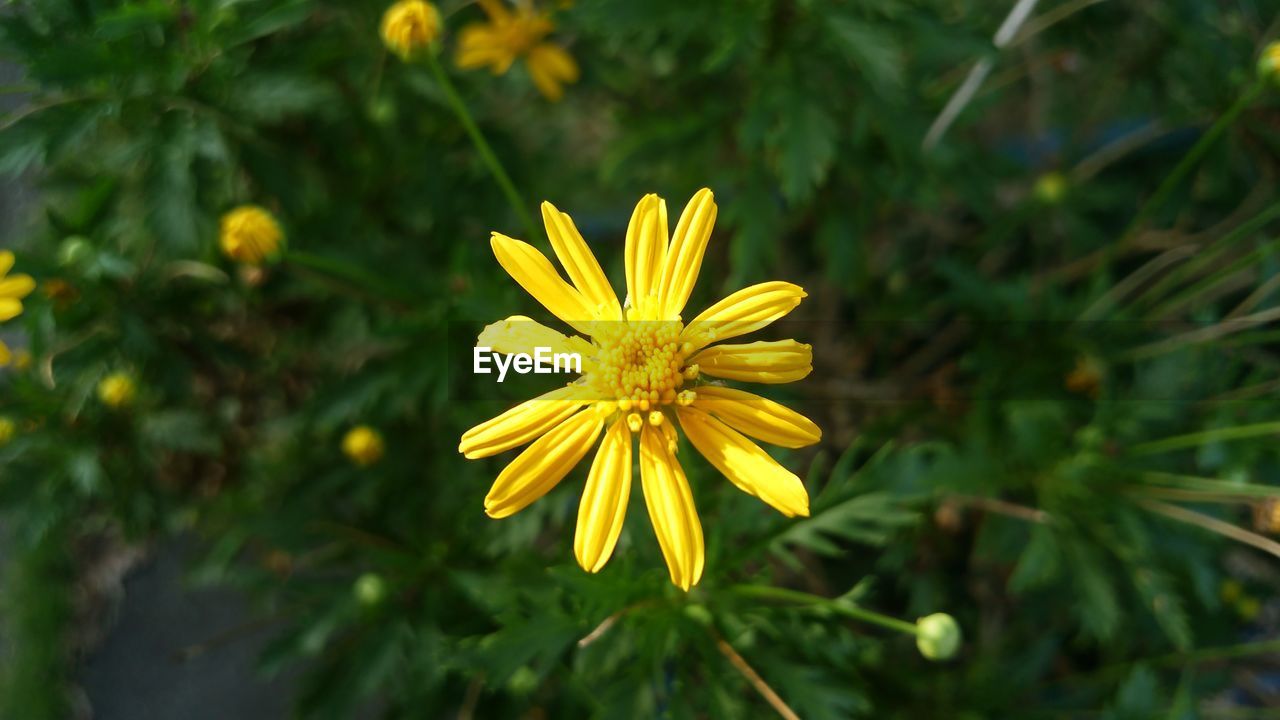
[
  {"x": 12, "y": 290},
  {"x": 508, "y": 35},
  {"x": 410, "y": 26},
  {"x": 643, "y": 374},
  {"x": 251, "y": 235}
]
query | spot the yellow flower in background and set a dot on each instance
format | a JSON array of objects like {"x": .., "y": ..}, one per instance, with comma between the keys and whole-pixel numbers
[
  {"x": 1269, "y": 62},
  {"x": 509, "y": 35},
  {"x": 642, "y": 375},
  {"x": 251, "y": 235},
  {"x": 13, "y": 288},
  {"x": 8, "y": 428},
  {"x": 117, "y": 390},
  {"x": 410, "y": 26},
  {"x": 362, "y": 445}
]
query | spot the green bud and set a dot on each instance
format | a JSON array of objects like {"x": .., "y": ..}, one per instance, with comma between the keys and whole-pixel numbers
[
  {"x": 74, "y": 250},
  {"x": 1269, "y": 63},
  {"x": 370, "y": 589},
  {"x": 523, "y": 681},
  {"x": 698, "y": 613},
  {"x": 1051, "y": 188},
  {"x": 937, "y": 636}
]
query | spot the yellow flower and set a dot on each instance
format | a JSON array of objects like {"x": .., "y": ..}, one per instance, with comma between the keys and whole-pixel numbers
[
  {"x": 117, "y": 390},
  {"x": 509, "y": 35},
  {"x": 12, "y": 290},
  {"x": 8, "y": 428},
  {"x": 642, "y": 374},
  {"x": 410, "y": 26},
  {"x": 251, "y": 235},
  {"x": 1269, "y": 62},
  {"x": 363, "y": 445}
]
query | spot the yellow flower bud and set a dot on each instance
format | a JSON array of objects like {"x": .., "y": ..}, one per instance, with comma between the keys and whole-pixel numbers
[
  {"x": 363, "y": 445},
  {"x": 1051, "y": 188},
  {"x": 1269, "y": 63},
  {"x": 117, "y": 390},
  {"x": 410, "y": 26},
  {"x": 251, "y": 235},
  {"x": 937, "y": 636},
  {"x": 8, "y": 428}
]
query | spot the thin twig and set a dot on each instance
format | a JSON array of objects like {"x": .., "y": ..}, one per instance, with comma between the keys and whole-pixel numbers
[
  {"x": 1205, "y": 334},
  {"x": 753, "y": 677},
  {"x": 1214, "y": 525},
  {"x": 1003, "y": 507},
  {"x": 965, "y": 93}
]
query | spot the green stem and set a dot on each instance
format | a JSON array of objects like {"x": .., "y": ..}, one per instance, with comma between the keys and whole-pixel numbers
[
  {"x": 840, "y": 607},
  {"x": 482, "y": 146},
  {"x": 1192, "y": 157},
  {"x": 351, "y": 275},
  {"x": 1180, "y": 442}
]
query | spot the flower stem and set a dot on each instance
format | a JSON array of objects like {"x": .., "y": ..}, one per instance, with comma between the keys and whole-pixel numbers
[
  {"x": 840, "y": 607},
  {"x": 482, "y": 146},
  {"x": 1184, "y": 166},
  {"x": 350, "y": 275}
]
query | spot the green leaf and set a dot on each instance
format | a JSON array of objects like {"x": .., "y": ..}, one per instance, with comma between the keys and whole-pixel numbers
[{"x": 804, "y": 141}]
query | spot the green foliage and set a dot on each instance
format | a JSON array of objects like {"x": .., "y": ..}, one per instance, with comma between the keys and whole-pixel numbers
[{"x": 1043, "y": 405}]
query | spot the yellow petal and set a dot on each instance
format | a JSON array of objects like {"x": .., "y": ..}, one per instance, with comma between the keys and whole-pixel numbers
[
  {"x": 480, "y": 46},
  {"x": 744, "y": 463},
  {"x": 523, "y": 423},
  {"x": 671, "y": 510},
  {"x": 6, "y": 261},
  {"x": 646, "y": 254},
  {"x": 680, "y": 272},
  {"x": 519, "y": 334},
  {"x": 761, "y": 418},
  {"x": 543, "y": 464},
  {"x": 604, "y": 500},
  {"x": 5, "y": 355},
  {"x": 745, "y": 311},
  {"x": 550, "y": 68},
  {"x": 9, "y": 308},
  {"x": 771, "y": 362},
  {"x": 17, "y": 286},
  {"x": 582, "y": 266},
  {"x": 539, "y": 278}
]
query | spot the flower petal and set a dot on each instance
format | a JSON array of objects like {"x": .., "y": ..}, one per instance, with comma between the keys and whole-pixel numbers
[
  {"x": 519, "y": 334},
  {"x": 759, "y": 417},
  {"x": 551, "y": 68},
  {"x": 480, "y": 46},
  {"x": 17, "y": 286},
  {"x": 523, "y": 423},
  {"x": 539, "y": 278},
  {"x": 646, "y": 253},
  {"x": 745, "y": 311},
  {"x": 6, "y": 261},
  {"x": 582, "y": 266},
  {"x": 688, "y": 245},
  {"x": 771, "y": 362},
  {"x": 671, "y": 509},
  {"x": 9, "y": 308},
  {"x": 5, "y": 355},
  {"x": 604, "y": 499},
  {"x": 543, "y": 464},
  {"x": 744, "y": 463}
]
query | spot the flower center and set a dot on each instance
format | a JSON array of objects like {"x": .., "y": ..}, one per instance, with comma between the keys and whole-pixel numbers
[{"x": 641, "y": 365}]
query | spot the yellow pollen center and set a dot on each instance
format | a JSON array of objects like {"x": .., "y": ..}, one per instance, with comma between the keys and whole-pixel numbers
[{"x": 642, "y": 365}]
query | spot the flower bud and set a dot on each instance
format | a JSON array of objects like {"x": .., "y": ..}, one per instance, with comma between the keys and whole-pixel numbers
[
  {"x": 1050, "y": 188},
  {"x": 937, "y": 636},
  {"x": 251, "y": 235},
  {"x": 363, "y": 445},
  {"x": 8, "y": 428},
  {"x": 370, "y": 589},
  {"x": 117, "y": 390},
  {"x": 410, "y": 26},
  {"x": 1269, "y": 63}
]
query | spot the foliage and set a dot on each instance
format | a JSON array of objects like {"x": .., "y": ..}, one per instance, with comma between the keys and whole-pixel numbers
[{"x": 1036, "y": 404}]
